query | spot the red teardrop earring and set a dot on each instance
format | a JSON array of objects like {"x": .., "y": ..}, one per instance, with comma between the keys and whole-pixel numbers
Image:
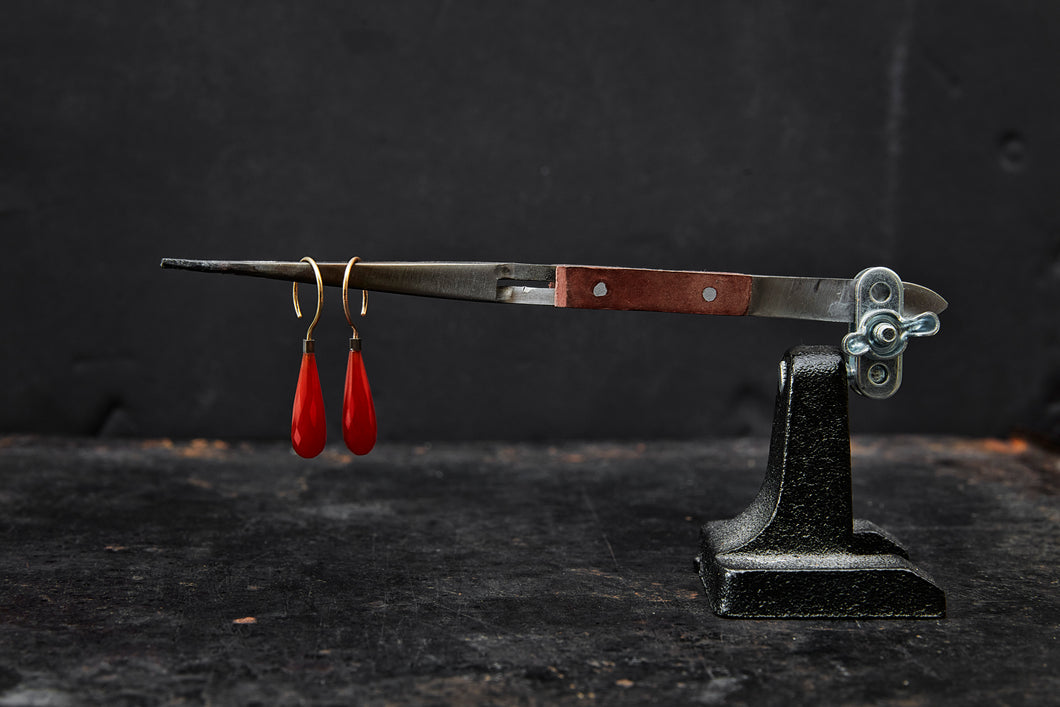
[
  {"x": 358, "y": 410},
  {"x": 308, "y": 424}
]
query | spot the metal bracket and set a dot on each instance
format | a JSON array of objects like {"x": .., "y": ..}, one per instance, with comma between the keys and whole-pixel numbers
[{"x": 879, "y": 333}]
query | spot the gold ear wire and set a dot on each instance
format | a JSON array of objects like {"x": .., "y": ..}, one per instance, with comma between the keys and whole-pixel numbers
[
  {"x": 346, "y": 296},
  {"x": 320, "y": 297}
]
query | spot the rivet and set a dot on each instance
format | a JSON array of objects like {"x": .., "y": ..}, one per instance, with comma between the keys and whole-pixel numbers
[{"x": 878, "y": 374}]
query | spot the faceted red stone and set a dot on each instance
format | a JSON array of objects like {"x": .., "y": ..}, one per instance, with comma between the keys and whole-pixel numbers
[
  {"x": 358, "y": 411},
  {"x": 308, "y": 425}
]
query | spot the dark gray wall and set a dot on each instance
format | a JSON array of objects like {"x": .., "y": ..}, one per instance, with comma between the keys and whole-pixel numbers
[{"x": 772, "y": 137}]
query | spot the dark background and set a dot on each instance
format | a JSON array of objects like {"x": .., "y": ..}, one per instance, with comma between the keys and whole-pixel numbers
[{"x": 772, "y": 137}]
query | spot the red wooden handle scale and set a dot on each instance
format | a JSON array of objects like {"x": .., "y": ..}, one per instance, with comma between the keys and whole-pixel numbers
[{"x": 680, "y": 291}]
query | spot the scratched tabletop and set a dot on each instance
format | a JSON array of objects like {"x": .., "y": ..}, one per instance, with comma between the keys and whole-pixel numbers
[{"x": 210, "y": 572}]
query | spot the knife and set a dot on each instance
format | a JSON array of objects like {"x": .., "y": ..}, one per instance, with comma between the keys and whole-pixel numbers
[{"x": 589, "y": 287}]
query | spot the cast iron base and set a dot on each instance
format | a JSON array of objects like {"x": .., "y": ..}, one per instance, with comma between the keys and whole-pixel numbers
[{"x": 796, "y": 551}]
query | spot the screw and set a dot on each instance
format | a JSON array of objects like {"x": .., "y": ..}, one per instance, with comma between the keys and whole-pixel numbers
[{"x": 885, "y": 332}]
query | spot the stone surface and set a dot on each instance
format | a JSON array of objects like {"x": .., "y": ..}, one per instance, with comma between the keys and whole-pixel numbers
[{"x": 226, "y": 573}]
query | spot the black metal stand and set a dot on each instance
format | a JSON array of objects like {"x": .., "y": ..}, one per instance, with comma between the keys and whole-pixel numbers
[{"x": 797, "y": 551}]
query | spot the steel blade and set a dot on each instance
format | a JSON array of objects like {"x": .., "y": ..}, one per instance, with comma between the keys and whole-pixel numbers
[
  {"x": 481, "y": 282},
  {"x": 825, "y": 299}
]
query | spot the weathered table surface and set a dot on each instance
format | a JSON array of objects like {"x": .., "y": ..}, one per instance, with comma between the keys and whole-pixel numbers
[{"x": 205, "y": 572}]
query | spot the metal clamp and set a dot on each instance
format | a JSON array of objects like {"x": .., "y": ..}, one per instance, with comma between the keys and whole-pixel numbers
[{"x": 879, "y": 333}]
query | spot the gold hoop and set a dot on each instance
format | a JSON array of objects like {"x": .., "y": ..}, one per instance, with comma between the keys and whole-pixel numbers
[
  {"x": 346, "y": 296},
  {"x": 320, "y": 297}
]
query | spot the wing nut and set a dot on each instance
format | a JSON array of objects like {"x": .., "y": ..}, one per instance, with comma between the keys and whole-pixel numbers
[{"x": 879, "y": 334}]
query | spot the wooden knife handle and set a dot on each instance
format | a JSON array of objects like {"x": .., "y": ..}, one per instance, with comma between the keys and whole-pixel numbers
[{"x": 680, "y": 291}]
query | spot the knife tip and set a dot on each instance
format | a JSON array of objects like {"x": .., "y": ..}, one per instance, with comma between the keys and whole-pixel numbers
[
  {"x": 939, "y": 302},
  {"x": 188, "y": 264}
]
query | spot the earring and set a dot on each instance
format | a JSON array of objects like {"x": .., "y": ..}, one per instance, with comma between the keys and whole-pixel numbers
[
  {"x": 308, "y": 425},
  {"x": 358, "y": 410}
]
